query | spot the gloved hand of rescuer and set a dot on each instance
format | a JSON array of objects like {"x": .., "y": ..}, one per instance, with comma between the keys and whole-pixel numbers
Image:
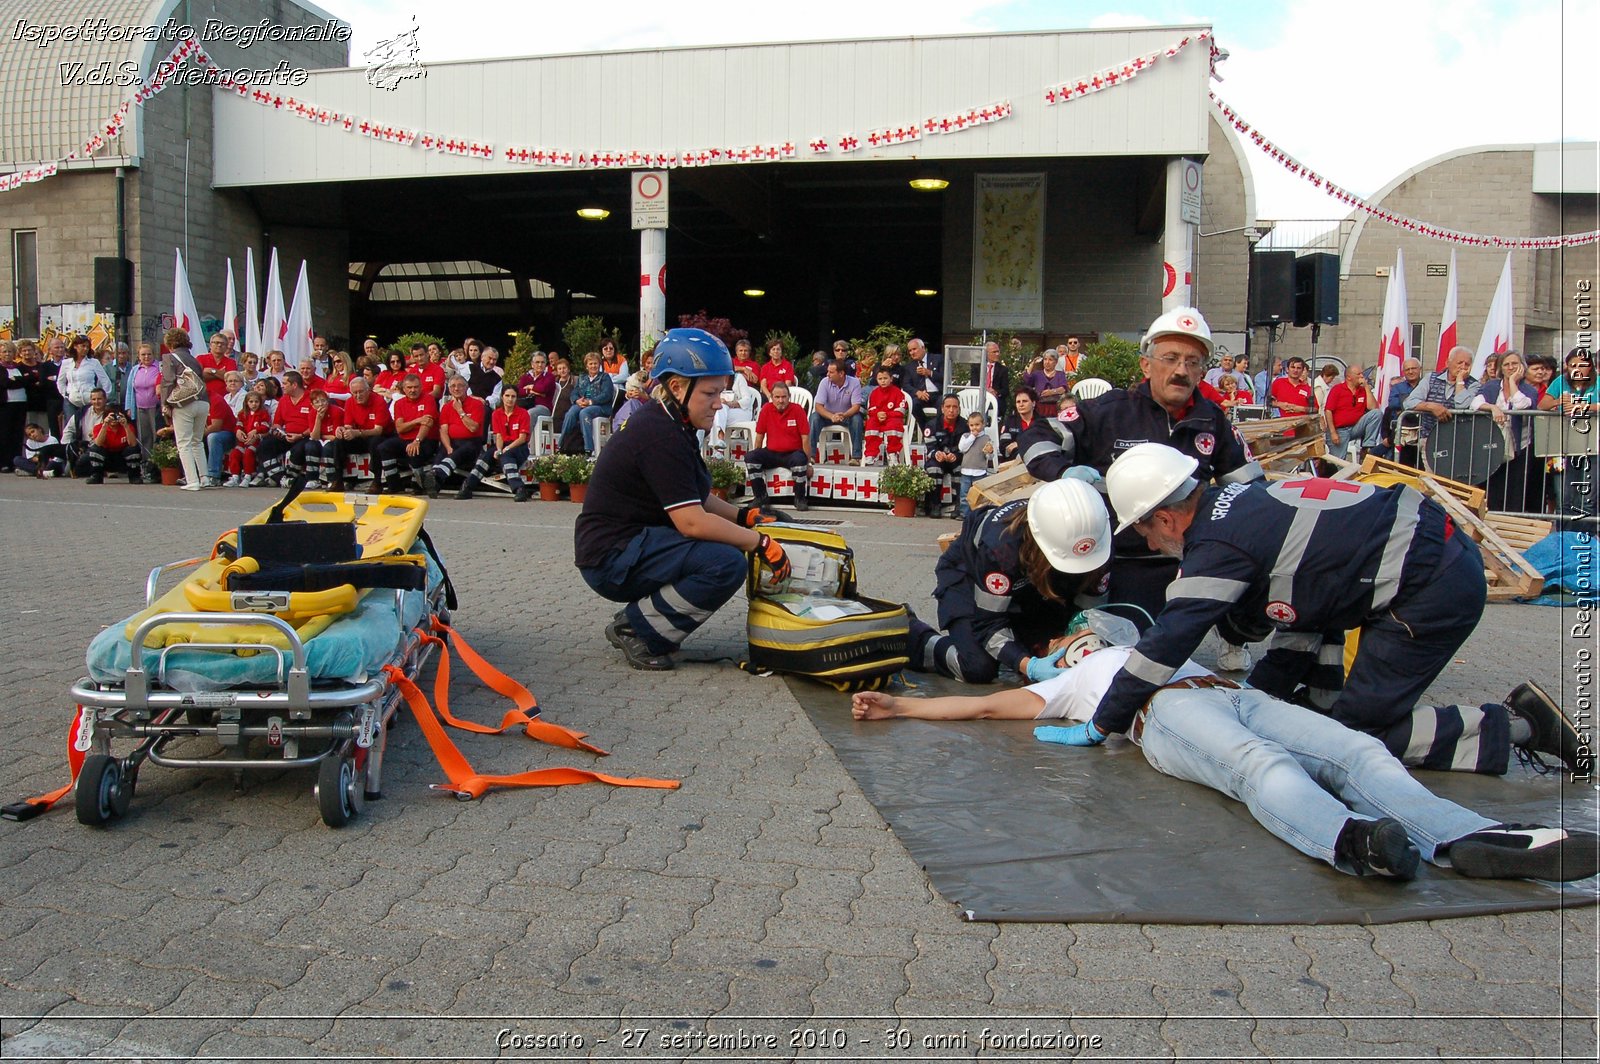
[
  {"x": 753, "y": 515},
  {"x": 770, "y": 551},
  {"x": 1085, "y": 734},
  {"x": 1045, "y": 666}
]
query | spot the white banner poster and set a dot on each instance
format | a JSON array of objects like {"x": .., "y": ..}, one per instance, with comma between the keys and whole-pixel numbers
[{"x": 1008, "y": 251}]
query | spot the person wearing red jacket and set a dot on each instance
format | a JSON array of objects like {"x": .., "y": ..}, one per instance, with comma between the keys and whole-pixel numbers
[
  {"x": 886, "y": 419},
  {"x": 250, "y": 428},
  {"x": 461, "y": 424},
  {"x": 415, "y": 425},
  {"x": 364, "y": 422}
]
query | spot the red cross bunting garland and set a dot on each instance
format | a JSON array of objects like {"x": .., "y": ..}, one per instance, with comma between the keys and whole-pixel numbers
[
  {"x": 881, "y": 138},
  {"x": 1412, "y": 225}
]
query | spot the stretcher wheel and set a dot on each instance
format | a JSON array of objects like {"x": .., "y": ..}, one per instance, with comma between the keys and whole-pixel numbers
[
  {"x": 103, "y": 793},
  {"x": 340, "y": 790}
]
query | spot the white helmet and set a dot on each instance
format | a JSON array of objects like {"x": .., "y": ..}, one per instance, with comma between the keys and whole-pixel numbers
[
  {"x": 1070, "y": 524},
  {"x": 1146, "y": 477},
  {"x": 1184, "y": 321}
]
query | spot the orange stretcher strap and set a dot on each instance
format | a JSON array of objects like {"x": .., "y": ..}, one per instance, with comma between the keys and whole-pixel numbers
[
  {"x": 29, "y": 808},
  {"x": 467, "y": 783},
  {"x": 525, "y": 708}
]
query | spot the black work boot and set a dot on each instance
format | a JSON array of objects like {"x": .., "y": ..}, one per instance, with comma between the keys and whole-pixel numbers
[
  {"x": 1376, "y": 848},
  {"x": 466, "y": 488},
  {"x": 1553, "y": 733},
  {"x": 620, "y": 635}
]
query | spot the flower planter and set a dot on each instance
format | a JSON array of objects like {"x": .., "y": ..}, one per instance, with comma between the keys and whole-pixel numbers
[
  {"x": 904, "y": 507},
  {"x": 721, "y": 493},
  {"x": 549, "y": 491},
  {"x": 576, "y": 492},
  {"x": 170, "y": 475}
]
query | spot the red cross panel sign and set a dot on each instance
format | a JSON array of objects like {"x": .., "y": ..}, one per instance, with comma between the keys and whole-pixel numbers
[{"x": 1320, "y": 493}]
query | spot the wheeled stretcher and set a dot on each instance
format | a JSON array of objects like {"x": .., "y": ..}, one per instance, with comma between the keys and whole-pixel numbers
[{"x": 273, "y": 683}]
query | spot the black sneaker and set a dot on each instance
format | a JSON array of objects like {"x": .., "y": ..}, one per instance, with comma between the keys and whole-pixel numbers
[
  {"x": 1526, "y": 851},
  {"x": 1376, "y": 848},
  {"x": 430, "y": 483},
  {"x": 633, "y": 649},
  {"x": 801, "y": 504},
  {"x": 1553, "y": 733},
  {"x": 465, "y": 492},
  {"x": 95, "y": 478},
  {"x": 523, "y": 494}
]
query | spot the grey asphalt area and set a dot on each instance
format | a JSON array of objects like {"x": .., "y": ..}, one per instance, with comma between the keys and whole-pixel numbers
[{"x": 762, "y": 911}]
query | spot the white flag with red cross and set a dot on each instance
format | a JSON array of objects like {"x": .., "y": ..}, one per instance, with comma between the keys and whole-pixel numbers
[
  {"x": 230, "y": 307},
  {"x": 251, "y": 340},
  {"x": 274, "y": 323},
  {"x": 1392, "y": 348},
  {"x": 184, "y": 313},
  {"x": 298, "y": 333},
  {"x": 1447, "y": 320},
  {"x": 1498, "y": 329}
]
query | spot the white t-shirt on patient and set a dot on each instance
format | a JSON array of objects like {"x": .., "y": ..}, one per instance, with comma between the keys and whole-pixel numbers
[{"x": 1075, "y": 694}]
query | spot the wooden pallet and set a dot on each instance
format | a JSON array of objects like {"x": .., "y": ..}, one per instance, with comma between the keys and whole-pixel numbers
[
  {"x": 1510, "y": 576},
  {"x": 1010, "y": 482},
  {"x": 1383, "y": 472},
  {"x": 1519, "y": 532}
]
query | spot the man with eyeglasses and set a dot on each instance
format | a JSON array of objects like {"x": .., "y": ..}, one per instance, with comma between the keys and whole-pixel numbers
[{"x": 1162, "y": 408}]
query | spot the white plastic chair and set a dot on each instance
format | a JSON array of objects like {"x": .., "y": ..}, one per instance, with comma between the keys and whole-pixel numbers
[
  {"x": 802, "y": 396},
  {"x": 544, "y": 436},
  {"x": 1090, "y": 387}
]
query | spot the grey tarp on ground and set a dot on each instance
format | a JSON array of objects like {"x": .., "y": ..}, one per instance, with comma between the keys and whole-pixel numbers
[{"x": 1013, "y": 829}]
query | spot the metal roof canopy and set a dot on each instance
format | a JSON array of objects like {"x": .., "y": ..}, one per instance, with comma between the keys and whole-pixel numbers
[{"x": 675, "y": 100}]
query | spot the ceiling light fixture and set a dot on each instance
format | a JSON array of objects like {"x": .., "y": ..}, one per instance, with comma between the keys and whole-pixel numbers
[
  {"x": 929, "y": 183},
  {"x": 593, "y": 214},
  {"x": 755, "y": 293},
  {"x": 926, "y": 292}
]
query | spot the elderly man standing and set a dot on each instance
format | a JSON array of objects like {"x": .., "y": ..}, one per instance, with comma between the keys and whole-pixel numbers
[
  {"x": 1163, "y": 408},
  {"x": 838, "y": 402}
]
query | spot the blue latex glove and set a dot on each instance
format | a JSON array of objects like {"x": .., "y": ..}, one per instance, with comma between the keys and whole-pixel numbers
[
  {"x": 1088, "y": 474},
  {"x": 1085, "y": 734},
  {"x": 1046, "y": 666}
]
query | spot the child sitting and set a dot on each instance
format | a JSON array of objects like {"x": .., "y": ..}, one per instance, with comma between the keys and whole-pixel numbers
[
  {"x": 976, "y": 450},
  {"x": 254, "y": 423},
  {"x": 886, "y": 419}
]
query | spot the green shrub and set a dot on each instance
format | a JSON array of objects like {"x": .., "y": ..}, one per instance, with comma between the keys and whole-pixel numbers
[
  {"x": 547, "y": 468},
  {"x": 726, "y": 474},
  {"x": 576, "y": 468},
  {"x": 584, "y": 334},
  {"x": 403, "y": 343},
  {"x": 905, "y": 481},
  {"x": 1112, "y": 359},
  {"x": 520, "y": 357},
  {"x": 791, "y": 345}
]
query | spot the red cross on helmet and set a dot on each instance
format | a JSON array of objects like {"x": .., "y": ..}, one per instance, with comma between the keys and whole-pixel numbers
[{"x": 1182, "y": 321}]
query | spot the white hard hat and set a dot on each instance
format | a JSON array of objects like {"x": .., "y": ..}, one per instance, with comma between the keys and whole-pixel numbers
[
  {"x": 1183, "y": 321},
  {"x": 1146, "y": 477},
  {"x": 1070, "y": 524}
]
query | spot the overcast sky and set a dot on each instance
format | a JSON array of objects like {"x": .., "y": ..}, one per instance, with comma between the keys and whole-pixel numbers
[{"x": 1358, "y": 89}]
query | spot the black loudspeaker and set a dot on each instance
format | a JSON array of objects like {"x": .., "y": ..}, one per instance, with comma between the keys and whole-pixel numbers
[
  {"x": 1316, "y": 289},
  {"x": 113, "y": 287},
  {"x": 1271, "y": 287}
]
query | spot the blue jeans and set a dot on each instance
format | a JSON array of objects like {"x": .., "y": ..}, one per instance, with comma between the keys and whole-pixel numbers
[
  {"x": 671, "y": 584},
  {"x": 1301, "y": 774},
  {"x": 967, "y": 480},
  {"x": 218, "y": 444},
  {"x": 585, "y": 416},
  {"x": 856, "y": 423}
]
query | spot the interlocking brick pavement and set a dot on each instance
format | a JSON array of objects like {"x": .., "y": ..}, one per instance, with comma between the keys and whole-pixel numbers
[{"x": 232, "y": 925}]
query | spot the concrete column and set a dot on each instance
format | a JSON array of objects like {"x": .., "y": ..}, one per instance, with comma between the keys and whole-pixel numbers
[
  {"x": 1177, "y": 244},
  {"x": 652, "y": 286}
]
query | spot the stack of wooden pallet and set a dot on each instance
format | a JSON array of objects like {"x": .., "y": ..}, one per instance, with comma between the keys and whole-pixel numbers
[{"x": 1282, "y": 444}]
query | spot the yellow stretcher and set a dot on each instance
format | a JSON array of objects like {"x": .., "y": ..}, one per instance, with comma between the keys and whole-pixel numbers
[{"x": 386, "y": 526}]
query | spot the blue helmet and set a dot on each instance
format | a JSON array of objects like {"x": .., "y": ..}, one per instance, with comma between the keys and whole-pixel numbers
[{"x": 691, "y": 353}]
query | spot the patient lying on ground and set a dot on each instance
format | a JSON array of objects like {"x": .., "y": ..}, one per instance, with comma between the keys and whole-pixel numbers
[{"x": 1332, "y": 793}]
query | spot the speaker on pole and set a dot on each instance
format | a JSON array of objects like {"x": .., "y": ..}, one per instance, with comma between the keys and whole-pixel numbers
[
  {"x": 1271, "y": 287},
  {"x": 1316, "y": 289},
  {"x": 113, "y": 286}
]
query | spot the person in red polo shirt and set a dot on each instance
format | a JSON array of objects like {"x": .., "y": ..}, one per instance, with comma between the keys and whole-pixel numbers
[
  {"x": 461, "y": 423},
  {"x": 782, "y": 431},
  {"x": 365, "y": 421},
  {"x": 326, "y": 421},
  {"x": 291, "y": 444},
  {"x": 216, "y": 362},
  {"x": 511, "y": 429},
  {"x": 416, "y": 420},
  {"x": 777, "y": 368},
  {"x": 1292, "y": 394},
  {"x": 1352, "y": 412}
]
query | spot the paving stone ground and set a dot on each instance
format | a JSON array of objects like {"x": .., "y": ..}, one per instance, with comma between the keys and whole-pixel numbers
[{"x": 764, "y": 910}]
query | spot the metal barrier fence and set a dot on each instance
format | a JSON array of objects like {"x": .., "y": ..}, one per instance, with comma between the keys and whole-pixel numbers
[{"x": 1539, "y": 463}]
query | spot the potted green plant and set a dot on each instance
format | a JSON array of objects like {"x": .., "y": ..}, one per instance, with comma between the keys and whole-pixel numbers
[
  {"x": 575, "y": 472},
  {"x": 725, "y": 476},
  {"x": 905, "y": 485},
  {"x": 547, "y": 471},
  {"x": 164, "y": 456}
]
